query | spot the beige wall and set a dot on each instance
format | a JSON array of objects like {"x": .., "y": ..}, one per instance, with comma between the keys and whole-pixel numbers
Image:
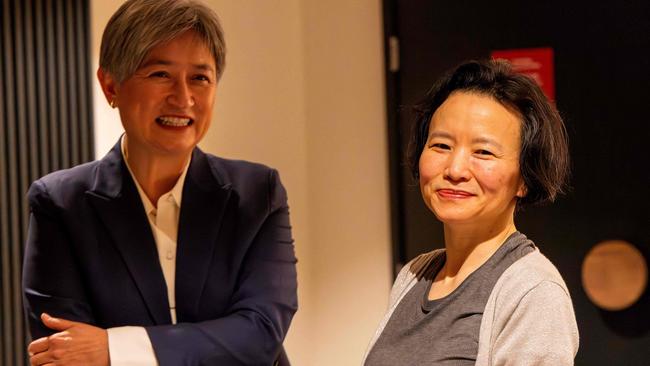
[
  {"x": 303, "y": 92},
  {"x": 348, "y": 190}
]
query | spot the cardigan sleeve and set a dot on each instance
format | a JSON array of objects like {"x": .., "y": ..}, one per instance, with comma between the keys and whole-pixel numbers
[{"x": 540, "y": 331}]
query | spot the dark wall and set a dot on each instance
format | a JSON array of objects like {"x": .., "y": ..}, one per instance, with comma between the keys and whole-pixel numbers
[
  {"x": 45, "y": 125},
  {"x": 602, "y": 74}
]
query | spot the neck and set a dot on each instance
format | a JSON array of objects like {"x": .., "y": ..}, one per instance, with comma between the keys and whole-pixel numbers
[
  {"x": 468, "y": 247},
  {"x": 156, "y": 173}
]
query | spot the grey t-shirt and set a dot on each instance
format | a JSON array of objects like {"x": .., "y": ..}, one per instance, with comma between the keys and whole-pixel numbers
[{"x": 444, "y": 331}]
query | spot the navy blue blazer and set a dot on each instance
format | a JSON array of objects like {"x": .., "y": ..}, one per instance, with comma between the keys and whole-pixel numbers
[{"x": 91, "y": 257}]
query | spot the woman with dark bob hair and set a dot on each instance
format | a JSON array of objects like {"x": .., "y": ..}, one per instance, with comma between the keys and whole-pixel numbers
[{"x": 486, "y": 141}]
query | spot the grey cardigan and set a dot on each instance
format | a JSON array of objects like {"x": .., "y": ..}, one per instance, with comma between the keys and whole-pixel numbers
[{"x": 528, "y": 318}]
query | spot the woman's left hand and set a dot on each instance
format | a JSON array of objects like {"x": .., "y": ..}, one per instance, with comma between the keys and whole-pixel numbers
[{"x": 74, "y": 344}]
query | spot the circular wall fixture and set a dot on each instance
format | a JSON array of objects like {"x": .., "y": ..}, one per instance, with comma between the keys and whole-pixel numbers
[{"x": 614, "y": 274}]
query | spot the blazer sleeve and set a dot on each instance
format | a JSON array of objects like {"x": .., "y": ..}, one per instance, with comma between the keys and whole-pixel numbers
[
  {"x": 51, "y": 280},
  {"x": 262, "y": 307}
]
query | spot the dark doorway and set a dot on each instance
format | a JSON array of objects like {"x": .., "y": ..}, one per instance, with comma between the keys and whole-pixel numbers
[{"x": 602, "y": 74}]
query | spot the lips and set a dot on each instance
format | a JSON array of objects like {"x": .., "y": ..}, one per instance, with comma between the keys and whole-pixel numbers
[
  {"x": 454, "y": 193},
  {"x": 174, "y": 121}
]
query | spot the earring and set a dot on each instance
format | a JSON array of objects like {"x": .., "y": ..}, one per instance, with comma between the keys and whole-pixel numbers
[{"x": 112, "y": 103}]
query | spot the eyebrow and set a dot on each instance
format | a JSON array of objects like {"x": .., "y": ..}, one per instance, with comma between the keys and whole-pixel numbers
[
  {"x": 153, "y": 62},
  {"x": 440, "y": 134},
  {"x": 487, "y": 140},
  {"x": 477, "y": 140}
]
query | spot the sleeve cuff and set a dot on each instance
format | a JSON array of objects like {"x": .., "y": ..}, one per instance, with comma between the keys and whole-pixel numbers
[{"x": 130, "y": 346}]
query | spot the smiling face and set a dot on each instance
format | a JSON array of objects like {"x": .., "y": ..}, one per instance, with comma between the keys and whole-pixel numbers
[
  {"x": 166, "y": 105},
  {"x": 469, "y": 167}
]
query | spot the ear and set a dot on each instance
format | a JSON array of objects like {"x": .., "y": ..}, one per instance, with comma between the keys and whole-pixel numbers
[
  {"x": 522, "y": 190},
  {"x": 109, "y": 85}
]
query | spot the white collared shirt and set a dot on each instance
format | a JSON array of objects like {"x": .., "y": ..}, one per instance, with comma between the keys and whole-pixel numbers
[{"x": 131, "y": 346}]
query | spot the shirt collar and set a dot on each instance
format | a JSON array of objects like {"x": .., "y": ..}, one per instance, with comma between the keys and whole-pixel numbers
[{"x": 176, "y": 192}]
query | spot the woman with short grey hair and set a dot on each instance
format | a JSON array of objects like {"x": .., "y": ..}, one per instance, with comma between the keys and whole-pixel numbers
[
  {"x": 140, "y": 25},
  {"x": 160, "y": 253}
]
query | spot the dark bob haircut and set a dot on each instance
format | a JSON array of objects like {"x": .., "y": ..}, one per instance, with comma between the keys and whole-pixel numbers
[{"x": 544, "y": 152}]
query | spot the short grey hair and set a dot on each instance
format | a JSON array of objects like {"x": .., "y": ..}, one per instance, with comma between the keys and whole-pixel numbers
[{"x": 140, "y": 25}]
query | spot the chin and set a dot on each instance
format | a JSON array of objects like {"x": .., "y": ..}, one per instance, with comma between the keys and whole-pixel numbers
[
  {"x": 176, "y": 150},
  {"x": 456, "y": 221},
  {"x": 450, "y": 217}
]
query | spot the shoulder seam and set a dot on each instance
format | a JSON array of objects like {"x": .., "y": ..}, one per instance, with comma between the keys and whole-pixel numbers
[{"x": 420, "y": 266}]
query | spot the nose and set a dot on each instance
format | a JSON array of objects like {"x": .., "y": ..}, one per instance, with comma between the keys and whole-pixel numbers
[
  {"x": 457, "y": 169},
  {"x": 181, "y": 95}
]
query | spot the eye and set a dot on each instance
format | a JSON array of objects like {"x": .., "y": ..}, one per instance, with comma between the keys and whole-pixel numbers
[
  {"x": 484, "y": 152},
  {"x": 159, "y": 74},
  {"x": 440, "y": 146},
  {"x": 202, "y": 78}
]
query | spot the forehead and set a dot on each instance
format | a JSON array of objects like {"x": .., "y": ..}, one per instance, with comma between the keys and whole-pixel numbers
[
  {"x": 186, "y": 48},
  {"x": 468, "y": 111}
]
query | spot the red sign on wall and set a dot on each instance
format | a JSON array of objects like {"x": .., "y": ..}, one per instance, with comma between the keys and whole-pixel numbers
[{"x": 534, "y": 62}]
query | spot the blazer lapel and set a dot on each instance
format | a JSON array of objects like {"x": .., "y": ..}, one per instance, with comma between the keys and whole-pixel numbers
[
  {"x": 117, "y": 203},
  {"x": 205, "y": 198}
]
